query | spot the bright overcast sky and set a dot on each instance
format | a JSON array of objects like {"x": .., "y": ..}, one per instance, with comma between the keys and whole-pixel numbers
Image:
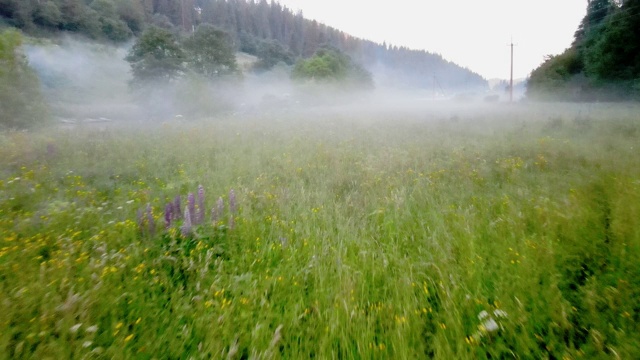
[{"x": 471, "y": 33}]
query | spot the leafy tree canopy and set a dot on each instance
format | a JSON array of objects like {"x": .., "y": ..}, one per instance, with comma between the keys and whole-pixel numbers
[
  {"x": 210, "y": 53},
  {"x": 270, "y": 53},
  {"x": 329, "y": 65},
  {"x": 156, "y": 56}
]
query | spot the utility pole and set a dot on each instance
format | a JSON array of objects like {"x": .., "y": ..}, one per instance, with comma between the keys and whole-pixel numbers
[
  {"x": 511, "y": 78},
  {"x": 182, "y": 13}
]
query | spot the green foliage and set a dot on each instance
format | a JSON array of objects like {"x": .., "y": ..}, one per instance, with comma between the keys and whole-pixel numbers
[
  {"x": 605, "y": 51},
  {"x": 553, "y": 79},
  {"x": 156, "y": 56},
  {"x": 270, "y": 53},
  {"x": 332, "y": 66},
  {"x": 615, "y": 54},
  {"x": 21, "y": 102},
  {"x": 133, "y": 14},
  {"x": 209, "y": 52},
  {"x": 48, "y": 15}
]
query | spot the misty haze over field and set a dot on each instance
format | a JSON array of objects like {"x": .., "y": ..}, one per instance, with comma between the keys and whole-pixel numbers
[{"x": 84, "y": 80}]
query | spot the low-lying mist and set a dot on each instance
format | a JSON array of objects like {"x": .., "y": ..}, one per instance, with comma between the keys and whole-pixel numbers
[{"x": 87, "y": 82}]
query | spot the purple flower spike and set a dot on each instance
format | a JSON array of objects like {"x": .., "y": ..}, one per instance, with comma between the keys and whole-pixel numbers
[
  {"x": 200, "y": 213},
  {"x": 151, "y": 223},
  {"x": 177, "y": 208},
  {"x": 140, "y": 220},
  {"x": 191, "y": 205},
  {"x": 186, "y": 227},
  {"x": 168, "y": 215},
  {"x": 232, "y": 201}
]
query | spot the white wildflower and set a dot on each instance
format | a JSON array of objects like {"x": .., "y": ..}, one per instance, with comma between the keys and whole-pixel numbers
[
  {"x": 92, "y": 328},
  {"x": 74, "y": 329},
  {"x": 490, "y": 325}
]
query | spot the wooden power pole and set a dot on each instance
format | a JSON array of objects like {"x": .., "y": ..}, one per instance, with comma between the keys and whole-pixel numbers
[
  {"x": 182, "y": 14},
  {"x": 511, "y": 78}
]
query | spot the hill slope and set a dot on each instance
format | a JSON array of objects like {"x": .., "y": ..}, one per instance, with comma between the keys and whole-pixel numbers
[{"x": 254, "y": 27}]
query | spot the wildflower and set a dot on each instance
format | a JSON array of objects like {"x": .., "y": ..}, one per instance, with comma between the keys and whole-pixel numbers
[
  {"x": 200, "y": 213},
  {"x": 490, "y": 325},
  {"x": 186, "y": 226},
  {"x": 168, "y": 215},
  {"x": 191, "y": 205},
  {"x": 74, "y": 329},
  {"x": 176, "y": 208},
  {"x": 232, "y": 201},
  {"x": 92, "y": 329},
  {"x": 140, "y": 220}
]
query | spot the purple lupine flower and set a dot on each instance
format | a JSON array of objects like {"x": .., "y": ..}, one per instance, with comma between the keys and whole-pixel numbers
[
  {"x": 186, "y": 226},
  {"x": 191, "y": 205},
  {"x": 200, "y": 213},
  {"x": 232, "y": 201},
  {"x": 151, "y": 223},
  {"x": 177, "y": 208},
  {"x": 168, "y": 215},
  {"x": 140, "y": 220}
]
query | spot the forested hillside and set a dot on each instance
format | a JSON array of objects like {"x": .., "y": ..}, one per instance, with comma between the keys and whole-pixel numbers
[
  {"x": 270, "y": 31},
  {"x": 603, "y": 63}
]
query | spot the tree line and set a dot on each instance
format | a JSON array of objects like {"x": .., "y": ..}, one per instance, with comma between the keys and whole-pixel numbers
[
  {"x": 603, "y": 63},
  {"x": 270, "y": 31}
]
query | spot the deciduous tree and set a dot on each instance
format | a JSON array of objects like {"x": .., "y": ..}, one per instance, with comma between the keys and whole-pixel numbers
[{"x": 156, "y": 56}]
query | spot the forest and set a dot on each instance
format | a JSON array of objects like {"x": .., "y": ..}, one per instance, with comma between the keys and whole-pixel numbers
[{"x": 602, "y": 63}]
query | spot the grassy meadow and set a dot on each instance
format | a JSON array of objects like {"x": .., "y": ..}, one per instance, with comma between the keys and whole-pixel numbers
[{"x": 450, "y": 234}]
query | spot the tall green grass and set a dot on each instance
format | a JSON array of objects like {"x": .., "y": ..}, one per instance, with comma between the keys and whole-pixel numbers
[{"x": 511, "y": 234}]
